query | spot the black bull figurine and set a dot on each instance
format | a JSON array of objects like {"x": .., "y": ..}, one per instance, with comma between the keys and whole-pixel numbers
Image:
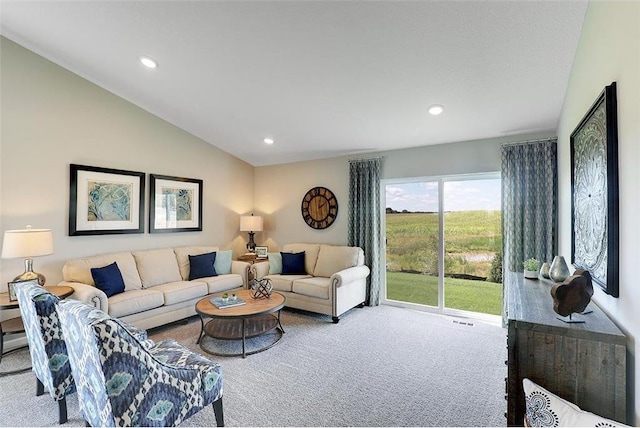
[{"x": 573, "y": 295}]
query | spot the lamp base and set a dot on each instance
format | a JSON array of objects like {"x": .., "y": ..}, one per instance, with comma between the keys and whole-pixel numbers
[
  {"x": 251, "y": 245},
  {"x": 29, "y": 274}
]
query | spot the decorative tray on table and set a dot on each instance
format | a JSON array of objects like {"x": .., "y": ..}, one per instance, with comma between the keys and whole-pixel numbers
[{"x": 222, "y": 303}]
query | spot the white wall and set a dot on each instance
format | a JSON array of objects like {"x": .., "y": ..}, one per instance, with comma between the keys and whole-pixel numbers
[
  {"x": 609, "y": 50},
  {"x": 52, "y": 118}
]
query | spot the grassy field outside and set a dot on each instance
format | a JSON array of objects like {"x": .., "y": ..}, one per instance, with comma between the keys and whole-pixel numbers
[
  {"x": 463, "y": 294},
  {"x": 472, "y": 238}
]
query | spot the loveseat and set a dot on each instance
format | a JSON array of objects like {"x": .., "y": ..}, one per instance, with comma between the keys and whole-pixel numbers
[
  {"x": 157, "y": 289},
  {"x": 331, "y": 280}
]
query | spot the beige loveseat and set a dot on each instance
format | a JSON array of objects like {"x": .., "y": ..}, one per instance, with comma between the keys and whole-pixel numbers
[
  {"x": 335, "y": 278},
  {"x": 157, "y": 286}
]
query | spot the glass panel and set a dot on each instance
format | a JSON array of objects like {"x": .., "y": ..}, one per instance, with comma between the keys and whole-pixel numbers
[
  {"x": 412, "y": 242},
  {"x": 472, "y": 239}
]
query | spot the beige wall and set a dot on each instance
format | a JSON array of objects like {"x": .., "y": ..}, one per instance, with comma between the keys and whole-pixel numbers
[
  {"x": 609, "y": 50},
  {"x": 52, "y": 118},
  {"x": 279, "y": 189}
]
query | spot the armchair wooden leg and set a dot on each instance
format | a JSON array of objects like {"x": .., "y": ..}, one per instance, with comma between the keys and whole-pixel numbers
[
  {"x": 39, "y": 388},
  {"x": 217, "y": 409},
  {"x": 62, "y": 410}
]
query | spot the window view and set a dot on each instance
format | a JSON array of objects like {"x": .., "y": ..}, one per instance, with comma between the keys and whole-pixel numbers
[{"x": 471, "y": 245}]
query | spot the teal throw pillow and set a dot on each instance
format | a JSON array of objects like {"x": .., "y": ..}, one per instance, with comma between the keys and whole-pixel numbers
[
  {"x": 108, "y": 279},
  {"x": 223, "y": 262},
  {"x": 275, "y": 263},
  {"x": 201, "y": 266}
]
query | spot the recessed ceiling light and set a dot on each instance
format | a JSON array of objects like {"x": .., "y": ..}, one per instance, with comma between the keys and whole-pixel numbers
[
  {"x": 268, "y": 140},
  {"x": 149, "y": 62},
  {"x": 435, "y": 109}
]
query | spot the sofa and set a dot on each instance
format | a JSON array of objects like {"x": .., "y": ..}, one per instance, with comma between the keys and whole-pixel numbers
[
  {"x": 157, "y": 289},
  {"x": 331, "y": 281}
]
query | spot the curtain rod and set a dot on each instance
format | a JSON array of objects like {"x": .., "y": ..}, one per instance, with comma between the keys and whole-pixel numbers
[
  {"x": 361, "y": 159},
  {"x": 520, "y": 143}
]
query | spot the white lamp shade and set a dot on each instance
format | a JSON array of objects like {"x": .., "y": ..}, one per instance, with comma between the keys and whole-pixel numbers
[
  {"x": 27, "y": 243},
  {"x": 250, "y": 223}
]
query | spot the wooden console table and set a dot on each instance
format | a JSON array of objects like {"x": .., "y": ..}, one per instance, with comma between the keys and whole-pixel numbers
[{"x": 582, "y": 363}]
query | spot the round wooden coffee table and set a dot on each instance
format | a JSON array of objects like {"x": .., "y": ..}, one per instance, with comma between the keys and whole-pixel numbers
[{"x": 255, "y": 318}]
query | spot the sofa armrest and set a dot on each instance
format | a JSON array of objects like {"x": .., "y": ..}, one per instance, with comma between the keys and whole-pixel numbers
[
  {"x": 349, "y": 275},
  {"x": 88, "y": 294},
  {"x": 242, "y": 269},
  {"x": 260, "y": 270}
]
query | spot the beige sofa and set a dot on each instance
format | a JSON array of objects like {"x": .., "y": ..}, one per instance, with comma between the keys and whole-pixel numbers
[
  {"x": 157, "y": 286},
  {"x": 335, "y": 279}
]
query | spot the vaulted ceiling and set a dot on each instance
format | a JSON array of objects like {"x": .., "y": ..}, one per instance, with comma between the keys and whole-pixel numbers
[{"x": 321, "y": 78}]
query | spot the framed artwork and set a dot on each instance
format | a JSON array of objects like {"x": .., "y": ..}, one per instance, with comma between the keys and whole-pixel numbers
[
  {"x": 594, "y": 192},
  {"x": 175, "y": 204},
  {"x": 105, "y": 201},
  {"x": 12, "y": 291},
  {"x": 261, "y": 252}
]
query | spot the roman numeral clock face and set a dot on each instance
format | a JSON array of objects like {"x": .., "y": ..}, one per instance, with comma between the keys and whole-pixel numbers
[{"x": 319, "y": 208}]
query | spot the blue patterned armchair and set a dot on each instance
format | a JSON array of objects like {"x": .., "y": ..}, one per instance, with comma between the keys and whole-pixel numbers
[
  {"x": 49, "y": 359},
  {"x": 123, "y": 381}
]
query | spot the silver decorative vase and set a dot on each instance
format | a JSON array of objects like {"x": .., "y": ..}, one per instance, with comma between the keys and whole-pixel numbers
[
  {"x": 544, "y": 270},
  {"x": 559, "y": 270}
]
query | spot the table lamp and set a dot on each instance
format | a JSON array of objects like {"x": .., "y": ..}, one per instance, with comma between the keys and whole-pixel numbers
[
  {"x": 251, "y": 224},
  {"x": 27, "y": 243}
]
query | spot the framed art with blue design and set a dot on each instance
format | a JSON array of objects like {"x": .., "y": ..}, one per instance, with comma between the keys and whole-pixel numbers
[
  {"x": 104, "y": 201},
  {"x": 175, "y": 204},
  {"x": 594, "y": 192}
]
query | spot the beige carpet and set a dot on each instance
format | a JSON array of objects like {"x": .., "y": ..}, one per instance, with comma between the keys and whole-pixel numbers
[{"x": 382, "y": 366}]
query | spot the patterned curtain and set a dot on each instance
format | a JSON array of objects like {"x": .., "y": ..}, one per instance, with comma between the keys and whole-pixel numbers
[
  {"x": 529, "y": 202},
  {"x": 364, "y": 219}
]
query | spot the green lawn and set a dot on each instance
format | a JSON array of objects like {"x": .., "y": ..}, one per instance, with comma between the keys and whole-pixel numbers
[{"x": 475, "y": 296}]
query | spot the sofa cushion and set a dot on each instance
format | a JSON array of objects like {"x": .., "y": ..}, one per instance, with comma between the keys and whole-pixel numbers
[
  {"x": 182, "y": 257},
  {"x": 275, "y": 263},
  {"x": 108, "y": 279},
  {"x": 223, "y": 262},
  {"x": 311, "y": 254},
  {"x": 79, "y": 270},
  {"x": 284, "y": 282},
  {"x": 312, "y": 287},
  {"x": 544, "y": 408},
  {"x": 332, "y": 259},
  {"x": 181, "y": 291},
  {"x": 134, "y": 301},
  {"x": 157, "y": 266},
  {"x": 201, "y": 266},
  {"x": 223, "y": 282}
]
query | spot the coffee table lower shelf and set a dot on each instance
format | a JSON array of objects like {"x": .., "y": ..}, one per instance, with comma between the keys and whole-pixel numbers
[{"x": 241, "y": 329}]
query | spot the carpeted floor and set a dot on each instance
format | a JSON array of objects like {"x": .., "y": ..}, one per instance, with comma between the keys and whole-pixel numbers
[{"x": 382, "y": 366}]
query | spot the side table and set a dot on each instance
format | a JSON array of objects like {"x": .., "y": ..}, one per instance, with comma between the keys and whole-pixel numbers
[
  {"x": 15, "y": 325},
  {"x": 252, "y": 258}
]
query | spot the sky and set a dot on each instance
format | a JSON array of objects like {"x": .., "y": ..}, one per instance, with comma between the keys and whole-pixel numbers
[{"x": 458, "y": 195}]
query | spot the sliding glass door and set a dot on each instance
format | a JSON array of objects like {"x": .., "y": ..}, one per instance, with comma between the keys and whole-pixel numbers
[{"x": 443, "y": 241}]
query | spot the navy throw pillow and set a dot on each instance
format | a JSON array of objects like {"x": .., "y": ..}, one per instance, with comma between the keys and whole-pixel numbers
[
  {"x": 293, "y": 263},
  {"x": 201, "y": 266},
  {"x": 108, "y": 279}
]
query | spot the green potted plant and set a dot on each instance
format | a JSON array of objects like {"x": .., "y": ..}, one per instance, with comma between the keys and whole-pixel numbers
[{"x": 531, "y": 267}]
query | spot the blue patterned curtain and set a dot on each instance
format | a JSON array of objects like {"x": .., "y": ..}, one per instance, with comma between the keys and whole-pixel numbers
[
  {"x": 529, "y": 202},
  {"x": 364, "y": 219}
]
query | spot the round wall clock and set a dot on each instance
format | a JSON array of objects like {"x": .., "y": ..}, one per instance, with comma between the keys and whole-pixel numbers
[{"x": 319, "y": 208}]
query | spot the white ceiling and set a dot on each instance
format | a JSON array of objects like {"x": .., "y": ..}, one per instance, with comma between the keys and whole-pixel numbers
[{"x": 322, "y": 78}]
